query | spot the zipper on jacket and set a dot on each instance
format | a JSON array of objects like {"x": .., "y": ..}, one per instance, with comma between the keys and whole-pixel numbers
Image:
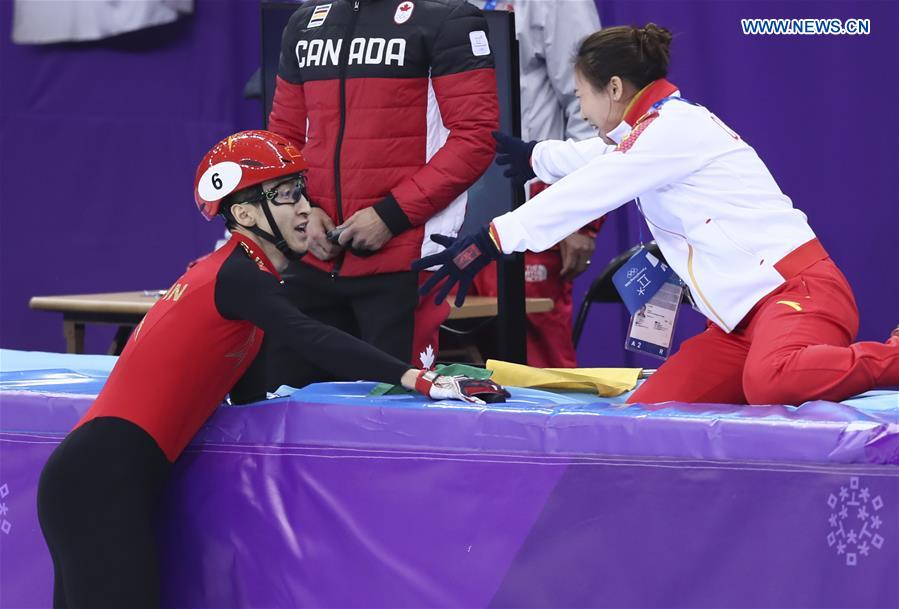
[
  {"x": 344, "y": 51},
  {"x": 699, "y": 290}
]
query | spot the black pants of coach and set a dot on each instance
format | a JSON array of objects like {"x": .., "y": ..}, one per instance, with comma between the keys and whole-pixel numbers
[
  {"x": 97, "y": 502},
  {"x": 379, "y": 309}
]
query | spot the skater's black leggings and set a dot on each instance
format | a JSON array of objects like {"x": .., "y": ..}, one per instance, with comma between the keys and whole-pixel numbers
[{"x": 97, "y": 502}]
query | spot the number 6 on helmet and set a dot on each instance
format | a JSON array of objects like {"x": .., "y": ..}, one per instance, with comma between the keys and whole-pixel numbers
[{"x": 242, "y": 160}]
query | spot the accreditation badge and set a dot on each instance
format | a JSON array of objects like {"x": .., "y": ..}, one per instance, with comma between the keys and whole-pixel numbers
[{"x": 651, "y": 329}]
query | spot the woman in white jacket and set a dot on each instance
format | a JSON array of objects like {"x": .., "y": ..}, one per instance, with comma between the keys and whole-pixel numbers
[{"x": 782, "y": 317}]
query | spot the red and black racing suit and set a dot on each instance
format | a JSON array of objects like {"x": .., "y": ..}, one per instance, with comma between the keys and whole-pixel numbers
[{"x": 98, "y": 492}]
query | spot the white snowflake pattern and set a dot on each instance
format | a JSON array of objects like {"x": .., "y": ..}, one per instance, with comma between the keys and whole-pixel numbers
[
  {"x": 5, "y": 525},
  {"x": 847, "y": 539}
]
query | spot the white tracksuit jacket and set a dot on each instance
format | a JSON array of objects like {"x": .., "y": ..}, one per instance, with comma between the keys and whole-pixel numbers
[{"x": 711, "y": 204}]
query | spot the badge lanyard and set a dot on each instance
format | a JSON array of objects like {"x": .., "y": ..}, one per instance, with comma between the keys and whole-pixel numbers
[{"x": 652, "y": 293}]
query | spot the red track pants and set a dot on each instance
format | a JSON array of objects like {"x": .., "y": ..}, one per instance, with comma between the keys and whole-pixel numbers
[
  {"x": 795, "y": 345},
  {"x": 428, "y": 317}
]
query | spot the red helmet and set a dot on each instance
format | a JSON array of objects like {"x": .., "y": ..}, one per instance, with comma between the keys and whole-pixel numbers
[{"x": 242, "y": 160}]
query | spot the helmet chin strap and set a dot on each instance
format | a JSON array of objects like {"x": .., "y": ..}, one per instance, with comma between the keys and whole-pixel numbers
[{"x": 275, "y": 238}]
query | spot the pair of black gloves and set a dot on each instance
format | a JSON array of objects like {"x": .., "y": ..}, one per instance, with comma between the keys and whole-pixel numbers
[{"x": 464, "y": 257}]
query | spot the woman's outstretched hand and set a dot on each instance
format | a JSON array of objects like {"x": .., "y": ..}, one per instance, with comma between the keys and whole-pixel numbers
[
  {"x": 459, "y": 263},
  {"x": 516, "y": 154}
]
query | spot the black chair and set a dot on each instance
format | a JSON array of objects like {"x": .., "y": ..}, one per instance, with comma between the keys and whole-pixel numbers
[{"x": 603, "y": 290}]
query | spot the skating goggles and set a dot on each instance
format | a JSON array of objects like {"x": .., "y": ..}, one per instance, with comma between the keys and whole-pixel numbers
[{"x": 285, "y": 192}]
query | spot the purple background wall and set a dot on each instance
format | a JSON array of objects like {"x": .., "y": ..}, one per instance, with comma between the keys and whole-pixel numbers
[{"x": 99, "y": 141}]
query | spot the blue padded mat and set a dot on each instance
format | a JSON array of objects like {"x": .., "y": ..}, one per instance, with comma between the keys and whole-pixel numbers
[{"x": 85, "y": 375}]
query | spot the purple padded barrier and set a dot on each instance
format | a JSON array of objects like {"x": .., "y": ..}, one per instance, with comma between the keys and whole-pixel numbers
[{"x": 333, "y": 499}]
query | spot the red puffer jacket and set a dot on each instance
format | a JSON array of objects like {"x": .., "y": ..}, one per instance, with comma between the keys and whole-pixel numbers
[{"x": 392, "y": 102}]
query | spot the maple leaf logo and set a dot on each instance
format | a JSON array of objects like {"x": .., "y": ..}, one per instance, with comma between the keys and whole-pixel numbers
[
  {"x": 427, "y": 358},
  {"x": 403, "y": 12}
]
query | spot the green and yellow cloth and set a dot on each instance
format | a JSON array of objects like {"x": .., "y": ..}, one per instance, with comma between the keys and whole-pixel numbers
[{"x": 604, "y": 382}]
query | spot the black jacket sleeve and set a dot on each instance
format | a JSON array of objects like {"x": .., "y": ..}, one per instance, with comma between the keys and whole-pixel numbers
[{"x": 245, "y": 292}]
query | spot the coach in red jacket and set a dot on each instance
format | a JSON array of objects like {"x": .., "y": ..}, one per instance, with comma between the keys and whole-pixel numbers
[{"x": 392, "y": 103}]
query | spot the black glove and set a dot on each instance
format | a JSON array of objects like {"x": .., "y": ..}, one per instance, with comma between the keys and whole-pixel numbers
[
  {"x": 460, "y": 262},
  {"x": 516, "y": 154},
  {"x": 333, "y": 236}
]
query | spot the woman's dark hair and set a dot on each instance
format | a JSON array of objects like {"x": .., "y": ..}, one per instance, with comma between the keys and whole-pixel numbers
[{"x": 638, "y": 55}]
